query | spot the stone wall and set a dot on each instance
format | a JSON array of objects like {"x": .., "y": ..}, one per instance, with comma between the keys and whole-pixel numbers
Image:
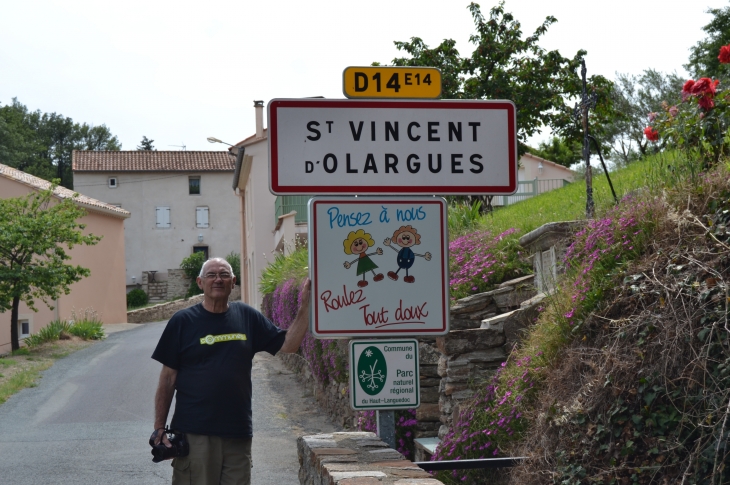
[
  {"x": 164, "y": 311},
  {"x": 355, "y": 459},
  {"x": 472, "y": 351},
  {"x": 177, "y": 283},
  {"x": 334, "y": 398}
]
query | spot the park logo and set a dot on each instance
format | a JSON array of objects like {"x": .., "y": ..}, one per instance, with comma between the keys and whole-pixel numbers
[
  {"x": 372, "y": 370},
  {"x": 214, "y": 339}
]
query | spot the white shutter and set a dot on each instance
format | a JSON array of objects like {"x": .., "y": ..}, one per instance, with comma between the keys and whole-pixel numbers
[
  {"x": 201, "y": 216},
  {"x": 163, "y": 217}
]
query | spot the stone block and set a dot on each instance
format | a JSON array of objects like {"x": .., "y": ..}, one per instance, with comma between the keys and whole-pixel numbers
[
  {"x": 429, "y": 395},
  {"x": 420, "y": 481},
  {"x": 443, "y": 431},
  {"x": 429, "y": 381},
  {"x": 463, "y": 394},
  {"x": 446, "y": 404},
  {"x": 427, "y": 354},
  {"x": 455, "y": 387},
  {"x": 459, "y": 372},
  {"x": 517, "y": 282},
  {"x": 428, "y": 370},
  {"x": 443, "y": 365},
  {"x": 495, "y": 354},
  {"x": 428, "y": 412},
  {"x": 471, "y": 304},
  {"x": 463, "y": 341}
]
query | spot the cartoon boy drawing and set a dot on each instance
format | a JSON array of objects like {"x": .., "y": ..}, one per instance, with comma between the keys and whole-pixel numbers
[
  {"x": 405, "y": 237},
  {"x": 357, "y": 243}
]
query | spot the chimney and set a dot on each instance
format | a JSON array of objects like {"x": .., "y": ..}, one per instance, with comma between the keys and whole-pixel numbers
[{"x": 259, "y": 107}]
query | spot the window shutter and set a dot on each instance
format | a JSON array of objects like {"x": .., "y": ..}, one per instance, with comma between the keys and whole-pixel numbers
[
  {"x": 163, "y": 217},
  {"x": 201, "y": 216}
]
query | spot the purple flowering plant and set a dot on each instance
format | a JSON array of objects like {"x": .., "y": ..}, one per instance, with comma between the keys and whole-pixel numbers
[
  {"x": 497, "y": 415},
  {"x": 405, "y": 428},
  {"x": 478, "y": 261}
]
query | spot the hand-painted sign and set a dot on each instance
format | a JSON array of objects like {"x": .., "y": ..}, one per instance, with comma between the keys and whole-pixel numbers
[
  {"x": 391, "y": 82},
  {"x": 359, "y": 147},
  {"x": 384, "y": 374},
  {"x": 379, "y": 266}
]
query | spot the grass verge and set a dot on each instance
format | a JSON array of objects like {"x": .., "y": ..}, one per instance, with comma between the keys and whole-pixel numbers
[{"x": 23, "y": 368}]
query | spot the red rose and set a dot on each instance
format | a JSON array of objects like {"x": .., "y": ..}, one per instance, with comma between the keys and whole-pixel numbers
[
  {"x": 704, "y": 87},
  {"x": 706, "y": 103},
  {"x": 724, "y": 56},
  {"x": 651, "y": 134},
  {"x": 687, "y": 88}
]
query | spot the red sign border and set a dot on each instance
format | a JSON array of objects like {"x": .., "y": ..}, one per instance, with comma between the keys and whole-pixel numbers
[
  {"x": 375, "y": 333},
  {"x": 277, "y": 189}
]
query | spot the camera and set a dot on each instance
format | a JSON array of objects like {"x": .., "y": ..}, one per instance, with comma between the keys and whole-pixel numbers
[{"x": 180, "y": 446}]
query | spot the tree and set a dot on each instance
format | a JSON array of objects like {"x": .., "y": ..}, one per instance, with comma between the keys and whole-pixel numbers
[
  {"x": 42, "y": 143},
  {"x": 634, "y": 98},
  {"x": 146, "y": 144},
  {"x": 35, "y": 231},
  {"x": 506, "y": 66},
  {"x": 703, "y": 61},
  {"x": 561, "y": 151}
]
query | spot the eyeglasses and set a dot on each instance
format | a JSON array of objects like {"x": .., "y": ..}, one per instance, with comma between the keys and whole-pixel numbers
[{"x": 213, "y": 276}]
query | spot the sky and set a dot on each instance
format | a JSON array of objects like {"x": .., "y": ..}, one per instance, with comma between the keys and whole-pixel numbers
[{"x": 180, "y": 71}]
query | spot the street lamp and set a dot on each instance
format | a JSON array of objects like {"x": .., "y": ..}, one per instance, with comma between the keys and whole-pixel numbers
[{"x": 212, "y": 139}]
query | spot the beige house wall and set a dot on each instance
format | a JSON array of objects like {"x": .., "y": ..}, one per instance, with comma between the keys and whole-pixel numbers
[
  {"x": 530, "y": 169},
  {"x": 104, "y": 289},
  {"x": 149, "y": 248},
  {"x": 258, "y": 213}
]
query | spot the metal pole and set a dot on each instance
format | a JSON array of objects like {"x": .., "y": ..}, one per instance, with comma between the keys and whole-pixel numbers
[{"x": 386, "y": 427}]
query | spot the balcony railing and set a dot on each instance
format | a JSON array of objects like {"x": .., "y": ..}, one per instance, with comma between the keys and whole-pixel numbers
[{"x": 286, "y": 203}]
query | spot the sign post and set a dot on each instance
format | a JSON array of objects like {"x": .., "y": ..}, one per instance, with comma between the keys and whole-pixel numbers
[
  {"x": 388, "y": 147},
  {"x": 379, "y": 266},
  {"x": 384, "y": 374}
]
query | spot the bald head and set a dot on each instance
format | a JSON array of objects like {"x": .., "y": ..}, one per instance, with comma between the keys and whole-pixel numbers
[{"x": 217, "y": 260}]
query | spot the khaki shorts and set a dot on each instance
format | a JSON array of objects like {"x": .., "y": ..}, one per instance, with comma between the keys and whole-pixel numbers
[{"x": 214, "y": 461}]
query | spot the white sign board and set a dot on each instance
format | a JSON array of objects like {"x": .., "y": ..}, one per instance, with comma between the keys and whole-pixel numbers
[
  {"x": 379, "y": 266},
  {"x": 384, "y": 374},
  {"x": 357, "y": 147}
]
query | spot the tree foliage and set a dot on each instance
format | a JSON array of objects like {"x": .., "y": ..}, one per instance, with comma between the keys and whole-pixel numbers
[
  {"x": 504, "y": 65},
  {"x": 634, "y": 98},
  {"x": 35, "y": 231},
  {"x": 146, "y": 145},
  {"x": 559, "y": 150},
  {"x": 41, "y": 143},
  {"x": 192, "y": 265},
  {"x": 703, "y": 61}
]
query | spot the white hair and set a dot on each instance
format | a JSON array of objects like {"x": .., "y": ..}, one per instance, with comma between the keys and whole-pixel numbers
[{"x": 219, "y": 260}]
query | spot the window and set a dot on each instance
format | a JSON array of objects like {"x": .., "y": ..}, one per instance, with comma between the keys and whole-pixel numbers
[
  {"x": 194, "y": 185},
  {"x": 201, "y": 217},
  {"x": 23, "y": 328},
  {"x": 201, "y": 249},
  {"x": 163, "y": 217},
  {"x": 113, "y": 182}
]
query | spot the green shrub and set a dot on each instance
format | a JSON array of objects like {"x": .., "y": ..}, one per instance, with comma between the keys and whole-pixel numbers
[
  {"x": 234, "y": 259},
  {"x": 87, "y": 330},
  {"x": 137, "y": 298},
  {"x": 463, "y": 217},
  {"x": 192, "y": 266},
  {"x": 49, "y": 333}
]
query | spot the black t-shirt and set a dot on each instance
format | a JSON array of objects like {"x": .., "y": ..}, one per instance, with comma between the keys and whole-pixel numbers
[{"x": 212, "y": 353}]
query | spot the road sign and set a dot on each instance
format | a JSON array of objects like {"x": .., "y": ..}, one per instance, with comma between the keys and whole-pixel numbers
[
  {"x": 379, "y": 266},
  {"x": 384, "y": 374},
  {"x": 359, "y": 147},
  {"x": 391, "y": 82}
]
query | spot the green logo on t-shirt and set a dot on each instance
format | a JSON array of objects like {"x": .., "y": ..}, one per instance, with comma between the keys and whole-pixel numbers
[{"x": 213, "y": 339}]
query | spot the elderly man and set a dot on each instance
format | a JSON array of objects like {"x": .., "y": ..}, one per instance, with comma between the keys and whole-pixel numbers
[{"x": 206, "y": 353}]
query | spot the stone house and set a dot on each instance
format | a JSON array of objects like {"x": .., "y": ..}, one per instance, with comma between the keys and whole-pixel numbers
[
  {"x": 102, "y": 291},
  {"x": 180, "y": 203}
]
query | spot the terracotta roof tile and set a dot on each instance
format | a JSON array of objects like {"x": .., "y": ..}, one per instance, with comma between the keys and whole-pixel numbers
[
  {"x": 62, "y": 192},
  {"x": 152, "y": 161}
]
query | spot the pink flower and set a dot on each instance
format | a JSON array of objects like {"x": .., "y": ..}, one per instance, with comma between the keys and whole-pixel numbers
[
  {"x": 652, "y": 116},
  {"x": 673, "y": 111}
]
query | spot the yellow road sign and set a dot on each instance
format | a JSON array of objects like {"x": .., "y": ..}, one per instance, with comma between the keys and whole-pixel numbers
[{"x": 391, "y": 82}]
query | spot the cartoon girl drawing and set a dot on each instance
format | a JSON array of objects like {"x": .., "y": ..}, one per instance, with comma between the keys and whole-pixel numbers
[
  {"x": 405, "y": 237},
  {"x": 358, "y": 243}
]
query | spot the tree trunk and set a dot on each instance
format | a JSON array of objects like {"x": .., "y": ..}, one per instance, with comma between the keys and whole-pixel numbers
[{"x": 14, "y": 340}]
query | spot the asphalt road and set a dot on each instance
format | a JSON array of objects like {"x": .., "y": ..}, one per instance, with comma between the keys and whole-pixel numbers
[{"x": 89, "y": 419}]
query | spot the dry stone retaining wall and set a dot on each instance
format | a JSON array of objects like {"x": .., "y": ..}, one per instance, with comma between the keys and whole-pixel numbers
[
  {"x": 164, "y": 311},
  {"x": 358, "y": 458}
]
